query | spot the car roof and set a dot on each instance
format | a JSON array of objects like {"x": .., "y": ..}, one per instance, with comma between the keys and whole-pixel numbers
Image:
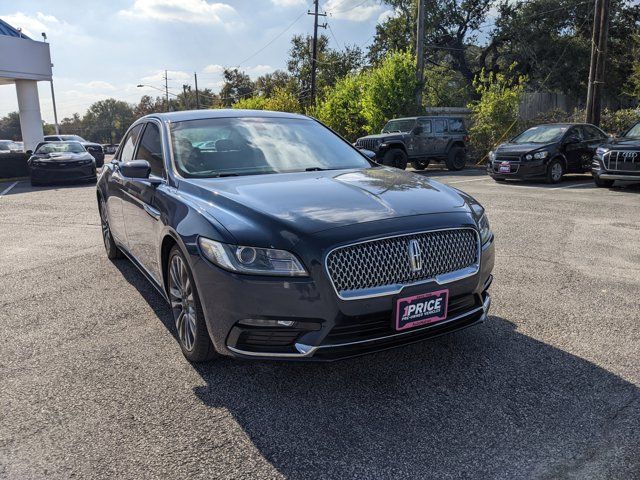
[{"x": 221, "y": 113}]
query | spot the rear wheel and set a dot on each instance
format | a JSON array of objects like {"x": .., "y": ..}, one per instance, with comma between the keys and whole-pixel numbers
[
  {"x": 420, "y": 164},
  {"x": 601, "y": 183},
  {"x": 456, "y": 159},
  {"x": 191, "y": 327},
  {"x": 555, "y": 171},
  {"x": 110, "y": 246},
  {"x": 395, "y": 158}
]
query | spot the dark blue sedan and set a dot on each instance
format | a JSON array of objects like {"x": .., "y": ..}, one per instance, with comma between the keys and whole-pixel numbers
[{"x": 281, "y": 240}]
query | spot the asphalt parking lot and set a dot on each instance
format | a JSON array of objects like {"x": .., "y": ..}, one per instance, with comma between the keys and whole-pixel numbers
[{"x": 95, "y": 386}]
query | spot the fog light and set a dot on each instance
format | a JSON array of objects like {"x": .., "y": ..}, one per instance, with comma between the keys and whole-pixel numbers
[{"x": 260, "y": 322}]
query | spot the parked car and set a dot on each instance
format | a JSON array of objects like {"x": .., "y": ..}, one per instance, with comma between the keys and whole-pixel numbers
[
  {"x": 110, "y": 148},
  {"x": 9, "y": 146},
  {"x": 95, "y": 149},
  {"x": 546, "y": 152},
  {"x": 618, "y": 159},
  {"x": 419, "y": 140},
  {"x": 266, "y": 252},
  {"x": 61, "y": 162}
]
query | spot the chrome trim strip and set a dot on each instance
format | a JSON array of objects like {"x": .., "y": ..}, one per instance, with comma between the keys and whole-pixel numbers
[
  {"x": 308, "y": 350},
  {"x": 394, "y": 289},
  {"x": 154, "y": 213},
  {"x": 610, "y": 176}
]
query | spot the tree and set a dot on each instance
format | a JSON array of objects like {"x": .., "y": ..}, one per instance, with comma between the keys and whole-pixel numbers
[
  {"x": 342, "y": 108},
  {"x": 331, "y": 64},
  {"x": 106, "y": 121},
  {"x": 267, "y": 83},
  {"x": 390, "y": 90},
  {"x": 495, "y": 114},
  {"x": 10, "y": 127},
  {"x": 237, "y": 85},
  {"x": 281, "y": 100}
]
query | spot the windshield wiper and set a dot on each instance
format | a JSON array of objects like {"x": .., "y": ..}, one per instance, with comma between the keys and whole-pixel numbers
[{"x": 316, "y": 169}]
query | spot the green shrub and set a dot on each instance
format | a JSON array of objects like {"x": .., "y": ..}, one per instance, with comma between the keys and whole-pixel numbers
[{"x": 341, "y": 108}]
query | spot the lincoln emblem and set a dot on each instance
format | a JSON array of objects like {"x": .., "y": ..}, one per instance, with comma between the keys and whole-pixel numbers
[{"x": 415, "y": 255}]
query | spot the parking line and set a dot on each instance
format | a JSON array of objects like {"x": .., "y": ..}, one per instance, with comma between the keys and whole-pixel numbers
[
  {"x": 573, "y": 186},
  {"x": 472, "y": 180},
  {"x": 6, "y": 190}
]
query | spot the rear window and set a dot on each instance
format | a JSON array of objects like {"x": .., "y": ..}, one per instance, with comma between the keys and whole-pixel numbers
[{"x": 456, "y": 125}]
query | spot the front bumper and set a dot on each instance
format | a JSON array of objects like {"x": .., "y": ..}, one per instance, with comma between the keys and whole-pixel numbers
[
  {"x": 325, "y": 327},
  {"x": 43, "y": 174},
  {"x": 520, "y": 170}
]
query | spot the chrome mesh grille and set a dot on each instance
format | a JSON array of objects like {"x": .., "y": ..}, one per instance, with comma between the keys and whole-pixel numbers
[
  {"x": 622, "y": 160},
  {"x": 384, "y": 262}
]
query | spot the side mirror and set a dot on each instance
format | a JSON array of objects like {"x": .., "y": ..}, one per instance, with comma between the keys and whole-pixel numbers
[
  {"x": 29, "y": 152},
  {"x": 136, "y": 169},
  {"x": 368, "y": 153}
]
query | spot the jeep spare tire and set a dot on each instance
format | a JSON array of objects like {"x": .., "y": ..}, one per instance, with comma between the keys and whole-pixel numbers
[
  {"x": 456, "y": 159},
  {"x": 395, "y": 158}
]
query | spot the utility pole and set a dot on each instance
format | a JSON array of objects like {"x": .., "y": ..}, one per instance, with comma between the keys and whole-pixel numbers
[
  {"x": 599, "y": 42},
  {"x": 195, "y": 77},
  {"x": 420, "y": 54},
  {"x": 314, "y": 56},
  {"x": 166, "y": 90}
]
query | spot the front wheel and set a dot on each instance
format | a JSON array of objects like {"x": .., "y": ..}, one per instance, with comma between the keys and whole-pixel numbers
[
  {"x": 191, "y": 327},
  {"x": 456, "y": 159},
  {"x": 555, "y": 171},
  {"x": 601, "y": 183},
  {"x": 420, "y": 164},
  {"x": 110, "y": 246},
  {"x": 395, "y": 158}
]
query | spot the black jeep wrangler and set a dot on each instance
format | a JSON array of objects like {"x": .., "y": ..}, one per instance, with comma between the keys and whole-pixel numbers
[{"x": 419, "y": 140}]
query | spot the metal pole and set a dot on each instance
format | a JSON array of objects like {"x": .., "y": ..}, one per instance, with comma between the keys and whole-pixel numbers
[
  {"x": 420, "y": 53},
  {"x": 602, "y": 59},
  {"x": 195, "y": 77},
  {"x": 55, "y": 111},
  {"x": 166, "y": 89}
]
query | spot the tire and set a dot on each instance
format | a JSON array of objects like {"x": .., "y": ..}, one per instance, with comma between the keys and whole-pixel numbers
[
  {"x": 600, "y": 183},
  {"x": 110, "y": 246},
  {"x": 395, "y": 158},
  {"x": 456, "y": 159},
  {"x": 35, "y": 184},
  {"x": 555, "y": 171},
  {"x": 191, "y": 328},
  {"x": 420, "y": 164}
]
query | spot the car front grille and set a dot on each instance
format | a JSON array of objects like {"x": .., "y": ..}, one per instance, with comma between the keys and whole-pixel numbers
[
  {"x": 368, "y": 143},
  {"x": 622, "y": 160},
  {"x": 383, "y": 265}
]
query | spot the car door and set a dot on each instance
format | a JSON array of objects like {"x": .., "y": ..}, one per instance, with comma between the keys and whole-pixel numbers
[
  {"x": 574, "y": 148},
  {"x": 141, "y": 214},
  {"x": 423, "y": 138},
  {"x": 115, "y": 187},
  {"x": 594, "y": 137},
  {"x": 440, "y": 136}
]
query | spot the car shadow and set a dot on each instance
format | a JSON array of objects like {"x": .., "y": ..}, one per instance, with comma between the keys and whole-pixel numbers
[{"x": 486, "y": 402}]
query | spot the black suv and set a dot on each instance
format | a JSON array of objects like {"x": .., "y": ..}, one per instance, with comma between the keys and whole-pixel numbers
[
  {"x": 618, "y": 159},
  {"x": 546, "y": 152},
  {"x": 419, "y": 140}
]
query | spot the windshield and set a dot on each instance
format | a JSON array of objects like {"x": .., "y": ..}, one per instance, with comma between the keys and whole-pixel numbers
[
  {"x": 541, "y": 134},
  {"x": 66, "y": 147},
  {"x": 249, "y": 146},
  {"x": 400, "y": 125},
  {"x": 74, "y": 138},
  {"x": 634, "y": 132}
]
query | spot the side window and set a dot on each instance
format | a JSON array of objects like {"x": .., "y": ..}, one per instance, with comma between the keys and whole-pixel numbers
[
  {"x": 439, "y": 126},
  {"x": 150, "y": 149},
  {"x": 426, "y": 126},
  {"x": 456, "y": 125},
  {"x": 576, "y": 132},
  {"x": 593, "y": 133},
  {"x": 126, "y": 154}
]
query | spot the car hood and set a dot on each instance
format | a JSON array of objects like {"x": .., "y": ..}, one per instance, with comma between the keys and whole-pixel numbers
[
  {"x": 310, "y": 202},
  {"x": 623, "y": 144},
  {"x": 63, "y": 156},
  {"x": 384, "y": 136},
  {"x": 522, "y": 147}
]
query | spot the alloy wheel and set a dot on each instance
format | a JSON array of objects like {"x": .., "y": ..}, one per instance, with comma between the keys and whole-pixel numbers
[
  {"x": 104, "y": 222},
  {"x": 556, "y": 172},
  {"x": 182, "y": 302}
]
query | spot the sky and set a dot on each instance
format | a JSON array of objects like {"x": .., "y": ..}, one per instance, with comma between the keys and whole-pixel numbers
[{"x": 103, "y": 49}]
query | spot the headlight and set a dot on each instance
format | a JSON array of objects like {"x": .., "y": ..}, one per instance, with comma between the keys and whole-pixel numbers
[
  {"x": 485, "y": 229},
  {"x": 528, "y": 156},
  {"x": 601, "y": 151},
  {"x": 541, "y": 155},
  {"x": 492, "y": 156},
  {"x": 253, "y": 260}
]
